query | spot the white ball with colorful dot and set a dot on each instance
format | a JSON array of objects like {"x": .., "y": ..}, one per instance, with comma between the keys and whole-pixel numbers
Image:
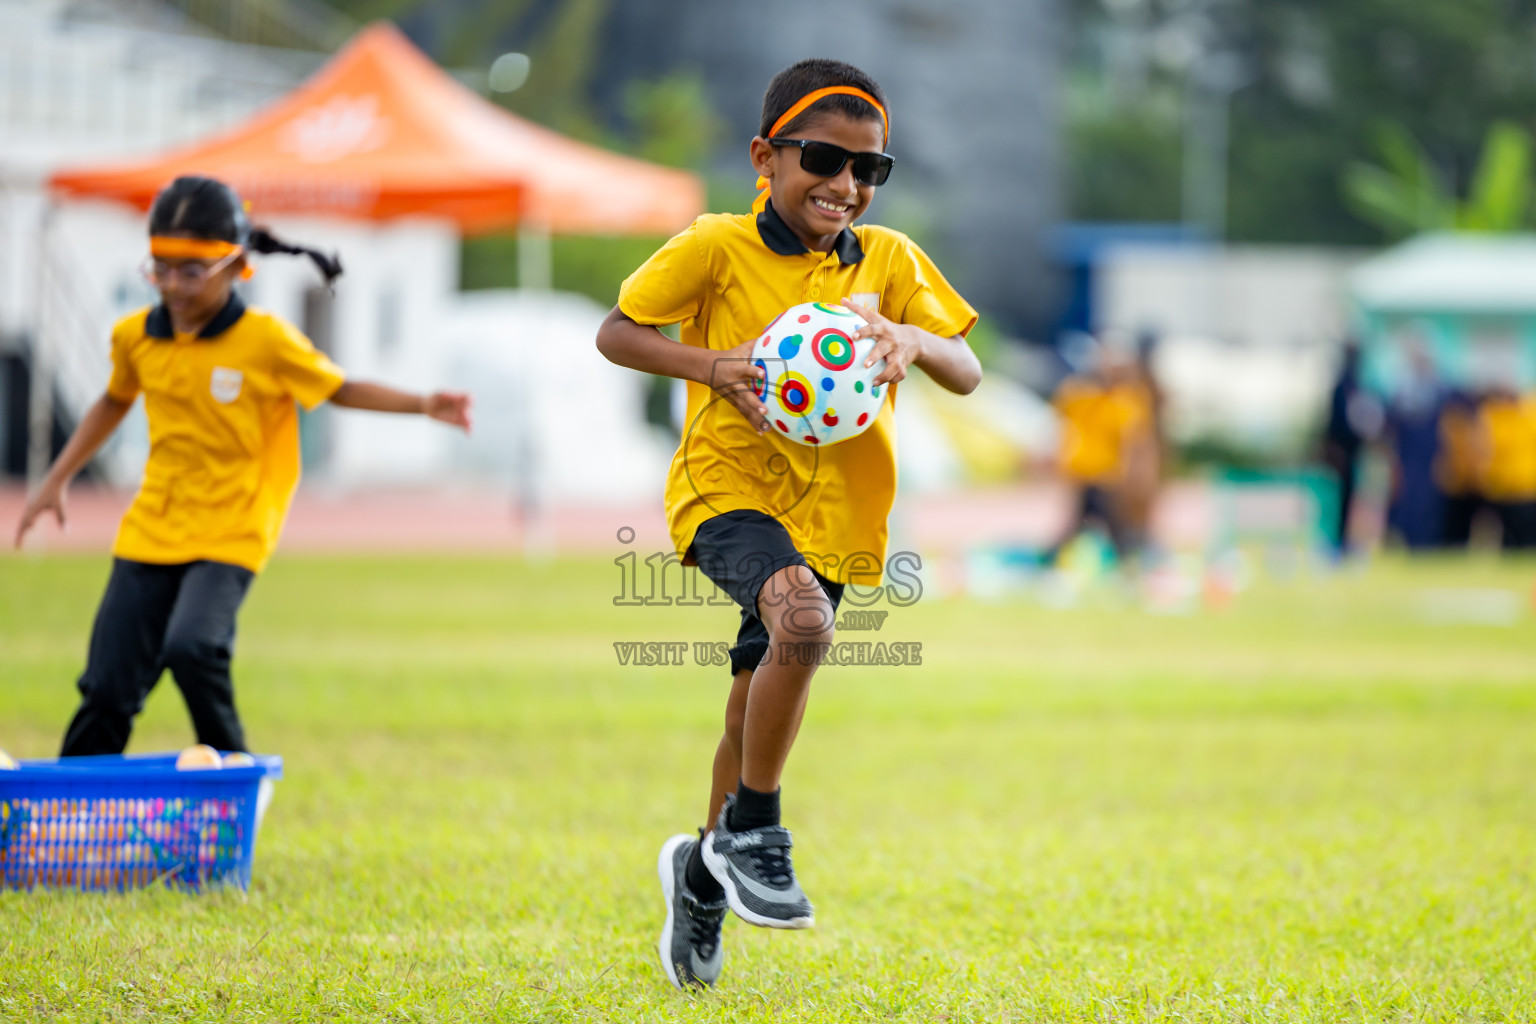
[{"x": 816, "y": 386}]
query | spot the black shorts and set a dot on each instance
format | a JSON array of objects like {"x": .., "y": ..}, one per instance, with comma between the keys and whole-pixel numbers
[{"x": 739, "y": 551}]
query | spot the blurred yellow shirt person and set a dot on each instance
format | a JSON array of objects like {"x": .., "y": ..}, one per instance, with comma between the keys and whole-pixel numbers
[
  {"x": 1509, "y": 430},
  {"x": 219, "y": 382},
  {"x": 1097, "y": 421},
  {"x": 223, "y": 431}
]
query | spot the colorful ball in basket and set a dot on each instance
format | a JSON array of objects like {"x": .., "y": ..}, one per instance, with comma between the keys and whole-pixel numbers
[
  {"x": 198, "y": 757},
  {"x": 816, "y": 386}
]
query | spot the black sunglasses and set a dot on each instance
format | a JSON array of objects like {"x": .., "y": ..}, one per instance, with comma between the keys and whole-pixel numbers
[{"x": 824, "y": 160}]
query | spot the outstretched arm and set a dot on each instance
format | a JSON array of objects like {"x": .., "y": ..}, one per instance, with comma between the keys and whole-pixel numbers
[
  {"x": 95, "y": 427},
  {"x": 450, "y": 407}
]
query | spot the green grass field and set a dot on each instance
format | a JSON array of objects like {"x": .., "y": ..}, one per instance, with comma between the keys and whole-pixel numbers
[{"x": 1312, "y": 806}]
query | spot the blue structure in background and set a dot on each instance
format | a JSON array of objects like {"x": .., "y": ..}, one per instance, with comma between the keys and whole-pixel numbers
[{"x": 1077, "y": 250}]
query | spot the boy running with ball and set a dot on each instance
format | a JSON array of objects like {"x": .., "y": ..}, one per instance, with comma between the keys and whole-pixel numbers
[{"x": 753, "y": 512}]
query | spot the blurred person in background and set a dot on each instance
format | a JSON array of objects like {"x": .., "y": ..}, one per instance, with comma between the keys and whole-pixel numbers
[
  {"x": 1145, "y": 443},
  {"x": 1354, "y": 419},
  {"x": 1459, "y": 467},
  {"x": 1103, "y": 412},
  {"x": 1508, "y": 428},
  {"x": 1413, "y": 439}
]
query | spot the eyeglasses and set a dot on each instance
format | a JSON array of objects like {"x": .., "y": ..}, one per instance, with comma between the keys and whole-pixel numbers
[
  {"x": 824, "y": 160},
  {"x": 193, "y": 273}
]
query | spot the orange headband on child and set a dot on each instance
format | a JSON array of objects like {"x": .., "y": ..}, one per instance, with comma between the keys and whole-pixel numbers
[
  {"x": 191, "y": 248},
  {"x": 799, "y": 108},
  {"x": 167, "y": 248}
]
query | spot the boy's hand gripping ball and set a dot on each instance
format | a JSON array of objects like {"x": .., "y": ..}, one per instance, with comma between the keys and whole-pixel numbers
[{"x": 815, "y": 384}]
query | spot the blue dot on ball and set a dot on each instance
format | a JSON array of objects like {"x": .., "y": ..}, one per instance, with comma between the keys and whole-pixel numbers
[
  {"x": 789, "y": 346},
  {"x": 826, "y": 383}
]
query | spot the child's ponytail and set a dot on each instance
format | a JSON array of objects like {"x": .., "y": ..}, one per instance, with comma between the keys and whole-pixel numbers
[
  {"x": 263, "y": 241},
  {"x": 205, "y": 208}
]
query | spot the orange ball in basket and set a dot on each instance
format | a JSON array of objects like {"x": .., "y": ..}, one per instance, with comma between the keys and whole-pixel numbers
[{"x": 198, "y": 757}]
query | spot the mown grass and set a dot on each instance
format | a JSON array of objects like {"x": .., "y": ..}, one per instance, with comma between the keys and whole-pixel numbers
[{"x": 1315, "y": 805}]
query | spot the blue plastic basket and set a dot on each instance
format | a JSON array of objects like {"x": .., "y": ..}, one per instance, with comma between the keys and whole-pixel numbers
[{"x": 116, "y": 822}]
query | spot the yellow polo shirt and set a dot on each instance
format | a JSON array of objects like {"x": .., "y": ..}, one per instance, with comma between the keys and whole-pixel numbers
[
  {"x": 1096, "y": 422},
  {"x": 723, "y": 280},
  {"x": 223, "y": 432},
  {"x": 1510, "y": 428}
]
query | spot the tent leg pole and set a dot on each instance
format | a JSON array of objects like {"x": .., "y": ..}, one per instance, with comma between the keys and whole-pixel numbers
[
  {"x": 534, "y": 257},
  {"x": 40, "y": 398}
]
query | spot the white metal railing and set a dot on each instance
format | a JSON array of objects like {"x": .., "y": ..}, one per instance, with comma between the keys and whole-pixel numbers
[
  {"x": 297, "y": 24},
  {"x": 69, "y": 84},
  {"x": 70, "y": 356}
]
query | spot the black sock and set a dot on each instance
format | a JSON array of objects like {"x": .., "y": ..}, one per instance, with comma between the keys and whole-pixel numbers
[
  {"x": 753, "y": 809},
  {"x": 700, "y": 881}
]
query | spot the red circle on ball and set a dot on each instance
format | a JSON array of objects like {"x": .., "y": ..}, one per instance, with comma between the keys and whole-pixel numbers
[
  {"x": 862, "y": 417},
  {"x": 829, "y": 419},
  {"x": 811, "y": 439},
  {"x": 805, "y": 318},
  {"x": 781, "y": 426}
]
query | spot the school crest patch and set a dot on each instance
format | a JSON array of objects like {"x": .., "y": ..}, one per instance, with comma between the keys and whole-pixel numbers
[{"x": 225, "y": 384}]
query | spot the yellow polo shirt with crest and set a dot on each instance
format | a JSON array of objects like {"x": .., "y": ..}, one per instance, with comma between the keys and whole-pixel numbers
[
  {"x": 223, "y": 432},
  {"x": 724, "y": 279}
]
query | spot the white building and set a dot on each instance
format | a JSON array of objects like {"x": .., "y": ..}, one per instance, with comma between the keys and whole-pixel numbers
[{"x": 106, "y": 90}]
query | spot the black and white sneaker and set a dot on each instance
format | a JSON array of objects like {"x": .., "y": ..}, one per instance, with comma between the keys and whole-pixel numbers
[
  {"x": 754, "y": 868},
  {"x": 690, "y": 940}
]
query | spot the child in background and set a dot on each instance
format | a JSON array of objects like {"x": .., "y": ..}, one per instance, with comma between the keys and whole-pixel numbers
[
  {"x": 1508, "y": 427},
  {"x": 754, "y": 513},
  {"x": 219, "y": 381},
  {"x": 1105, "y": 412}
]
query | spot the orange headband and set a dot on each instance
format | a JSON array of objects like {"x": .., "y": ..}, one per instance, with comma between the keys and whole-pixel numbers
[
  {"x": 800, "y": 107},
  {"x": 166, "y": 248},
  {"x": 191, "y": 248},
  {"x": 832, "y": 90}
]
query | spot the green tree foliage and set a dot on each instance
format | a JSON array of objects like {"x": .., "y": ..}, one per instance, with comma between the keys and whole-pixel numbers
[
  {"x": 1405, "y": 192},
  {"x": 671, "y": 120},
  {"x": 1322, "y": 76},
  {"x": 1121, "y": 169}
]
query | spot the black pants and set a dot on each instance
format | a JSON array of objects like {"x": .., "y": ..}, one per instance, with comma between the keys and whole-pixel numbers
[
  {"x": 153, "y": 618},
  {"x": 1460, "y": 514},
  {"x": 1096, "y": 504},
  {"x": 1518, "y": 518},
  {"x": 1346, "y": 468}
]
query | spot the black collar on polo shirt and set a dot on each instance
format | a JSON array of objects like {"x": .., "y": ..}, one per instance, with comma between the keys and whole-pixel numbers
[
  {"x": 158, "y": 323},
  {"x": 778, "y": 237}
]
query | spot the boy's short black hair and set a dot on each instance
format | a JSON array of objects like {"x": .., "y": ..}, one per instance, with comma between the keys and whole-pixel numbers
[{"x": 797, "y": 80}]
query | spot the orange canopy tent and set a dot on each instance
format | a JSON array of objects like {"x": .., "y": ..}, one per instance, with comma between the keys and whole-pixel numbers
[{"x": 382, "y": 132}]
